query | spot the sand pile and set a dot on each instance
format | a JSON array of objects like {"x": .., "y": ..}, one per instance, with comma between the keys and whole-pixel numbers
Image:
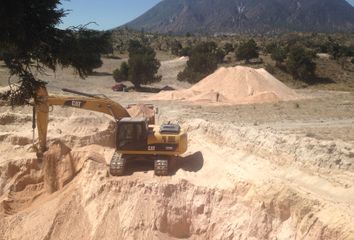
[
  {"x": 234, "y": 85},
  {"x": 142, "y": 110},
  {"x": 24, "y": 182}
]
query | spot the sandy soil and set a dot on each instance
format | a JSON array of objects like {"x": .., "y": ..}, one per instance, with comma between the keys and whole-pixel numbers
[{"x": 260, "y": 171}]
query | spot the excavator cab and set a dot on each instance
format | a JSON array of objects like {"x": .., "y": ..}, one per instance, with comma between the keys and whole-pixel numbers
[{"x": 132, "y": 134}]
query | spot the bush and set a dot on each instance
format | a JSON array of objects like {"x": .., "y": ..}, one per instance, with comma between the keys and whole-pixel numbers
[
  {"x": 278, "y": 55},
  {"x": 203, "y": 60},
  {"x": 270, "y": 68},
  {"x": 2, "y": 55},
  {"x": 270, "y": 47},
  {"x": 176, "y": 47},
  {"x": 190, "y": 76},
  {"x": 228, "y": 47},
  {"x": 300, "y": 63},
  {"x": 347, "y": 51},
  {"x": 247, "y": 51},
  {"x": 337, "y": 50},
  {"x": 220, "y": 55},
  {"x": 117, "y": 75},
  {"x": 124, "y": 68},
  {"x": 122, "y": 73},
  {"x": 186, "y": 51}
]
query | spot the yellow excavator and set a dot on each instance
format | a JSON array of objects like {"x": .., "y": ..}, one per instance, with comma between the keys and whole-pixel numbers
[{"x": 136, "y": 137}]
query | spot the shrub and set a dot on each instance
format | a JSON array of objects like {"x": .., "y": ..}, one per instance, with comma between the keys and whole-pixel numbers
[
  {"x": 176, "y": 47},
  {"x": 278, "y": 55},
  {"x": 117, "y": 75},
  {"x": 247, "y": 50},
  {"x": 270, "y": 68},
  {"x": 220, "y": 54},
  {"x": 124, "y": 68},
  {"x": 190, "y": 76},
  {"x": 228, "y": 47},
  {"x": 186, "y": 51},
  {"x": 337, "y": 50},
  {"x": 122, "y": 73},
  {"x": 300, "y": 63},
  {"x": 270, "y": 47}
]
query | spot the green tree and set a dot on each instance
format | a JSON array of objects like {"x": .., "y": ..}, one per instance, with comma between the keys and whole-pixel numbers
[
  {"x": 142, "y": 64},
  {"x": 247, "y": 50},
  {"x": 122, "y": 73},
  {"x": 270, "y": 68},
  {"x": 333, "y": 48},
  {"x": 337, "y": 50},
  {"x": 228, "y": 47},
  {"x": 30, "y": 41},
  {"x": 270, "y": 47},
  {"x": 203, "y": 60},
  {"x": 300, "y": 63},
  {"x": 278, "y": 55},
  {"x": 176, "y": 47},
  {"x": 186, "y": 51},
  {"x": 88, "y": 45},
  {"x": 219, "y": 54}
]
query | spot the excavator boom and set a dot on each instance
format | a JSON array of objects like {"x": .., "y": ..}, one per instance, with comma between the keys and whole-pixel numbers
[{"x": 43, "y": 101}]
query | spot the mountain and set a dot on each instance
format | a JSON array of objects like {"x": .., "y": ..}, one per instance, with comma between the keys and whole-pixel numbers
[{"x": 246, "y": 16}]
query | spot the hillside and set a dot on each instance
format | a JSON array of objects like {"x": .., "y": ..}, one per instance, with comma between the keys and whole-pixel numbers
[{"x": 239, "y": 16}]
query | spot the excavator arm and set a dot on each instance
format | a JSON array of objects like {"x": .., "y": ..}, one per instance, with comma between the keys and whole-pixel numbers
[{"x": 43, "y": 102}]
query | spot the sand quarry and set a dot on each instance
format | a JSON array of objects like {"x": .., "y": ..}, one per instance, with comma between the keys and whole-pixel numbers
[{"x": 268, "y": 169}]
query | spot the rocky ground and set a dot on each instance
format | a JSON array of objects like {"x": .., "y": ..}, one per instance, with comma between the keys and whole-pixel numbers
[{"x": 262, "y": 171}]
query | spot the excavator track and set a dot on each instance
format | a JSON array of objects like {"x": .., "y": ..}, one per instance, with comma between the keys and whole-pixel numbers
[
  {"x": 117, "y": 165},
  {"x": 161, "y": 167}
]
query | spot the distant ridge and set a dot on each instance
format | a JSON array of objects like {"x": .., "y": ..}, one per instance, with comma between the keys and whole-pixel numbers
[{"x": 246, "y": 16}]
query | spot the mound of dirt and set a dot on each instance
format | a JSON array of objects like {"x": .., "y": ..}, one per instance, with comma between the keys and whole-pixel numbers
[
  {"x": 142, "y": 110},
  {"x": 24, "y": 182},
  {"x": 234, "y": 85}
]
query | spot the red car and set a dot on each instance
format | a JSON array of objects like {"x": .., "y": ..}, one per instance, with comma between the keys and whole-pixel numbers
[{"x": 120, "y": 87}]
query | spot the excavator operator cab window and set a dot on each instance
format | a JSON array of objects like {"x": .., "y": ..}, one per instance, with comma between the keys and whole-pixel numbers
[{"x": 132, "y": 134}]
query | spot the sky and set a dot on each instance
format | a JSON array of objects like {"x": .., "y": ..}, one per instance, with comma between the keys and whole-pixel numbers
[{"x": 106, "y": 13}]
